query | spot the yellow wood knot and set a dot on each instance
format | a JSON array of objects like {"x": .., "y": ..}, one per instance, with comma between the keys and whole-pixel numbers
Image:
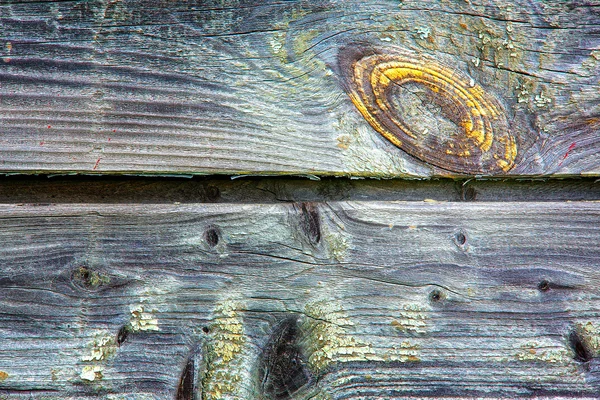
[{"x": 431, "y": 111}]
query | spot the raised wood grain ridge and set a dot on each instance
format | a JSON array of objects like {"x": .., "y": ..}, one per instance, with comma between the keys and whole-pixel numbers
[
  {"x": 255, "y": 87},
  {"x": 332, "y": 300}
]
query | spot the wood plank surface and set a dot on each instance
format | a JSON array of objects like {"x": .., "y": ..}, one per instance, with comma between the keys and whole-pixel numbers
[
  {"x": 271, "y": 87},
  {"x": 332, "y": 300}
]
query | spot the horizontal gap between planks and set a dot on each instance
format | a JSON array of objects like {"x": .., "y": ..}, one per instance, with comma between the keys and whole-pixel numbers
[{"x": 43, "y": 190}]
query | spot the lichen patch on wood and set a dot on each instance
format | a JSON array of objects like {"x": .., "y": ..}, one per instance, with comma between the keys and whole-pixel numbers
[
  {"x": 103, "y": 346},
  {"x": 87, "y": 278},
  {"x": 544, "y": 351},
  {"x": 226, "y": 373},
  {"x": 413, "y": 319},
  {"x": 142, "y": 320},
  {"x": 363, "y": 153},
  {"x": 91, "y": 373},
  {"x": 329, "y": 341}
]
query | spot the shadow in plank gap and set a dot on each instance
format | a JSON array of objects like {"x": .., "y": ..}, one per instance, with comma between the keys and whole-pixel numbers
[{"x": 42, "y": 190}]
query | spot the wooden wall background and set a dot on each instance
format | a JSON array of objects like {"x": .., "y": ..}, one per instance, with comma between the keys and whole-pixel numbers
[{"x": 475, "y": 278}]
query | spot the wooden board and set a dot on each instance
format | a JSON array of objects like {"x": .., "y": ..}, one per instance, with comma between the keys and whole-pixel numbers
[
  {"x": 253, "y": 87},
  {"x": 312, "y": 300}
]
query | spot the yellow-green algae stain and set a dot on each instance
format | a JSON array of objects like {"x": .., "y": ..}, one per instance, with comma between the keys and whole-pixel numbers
[
  {"x": 102, "y": 346},
  {"x": 142, "y": 320},
  {"x": 225, "y": 369},
  {"x": 590, "y": 336},
  {"x": 413, "y": 319},
  {"x": 544, "y": 351},
  {"x": 328, "y": 340}
]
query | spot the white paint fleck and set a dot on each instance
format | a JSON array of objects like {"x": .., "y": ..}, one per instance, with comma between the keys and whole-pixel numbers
[
  {"x": 91, "y": 372},
  {"x": 142, "y": 320},
  {"x": 103, "y": 347},
  {"x": 423, "y": 32},
  {"x": 541, "y": 101}
]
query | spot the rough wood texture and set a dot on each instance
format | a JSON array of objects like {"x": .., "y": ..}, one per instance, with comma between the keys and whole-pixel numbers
[
  {"x": 255, "y": 87},
  {"x": 313, "y": 300}
]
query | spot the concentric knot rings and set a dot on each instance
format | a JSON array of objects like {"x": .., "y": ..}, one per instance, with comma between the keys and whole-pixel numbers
[{"x": 433, "y": 112}]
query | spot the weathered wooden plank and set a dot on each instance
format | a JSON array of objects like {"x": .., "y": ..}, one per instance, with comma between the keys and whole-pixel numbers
[
  {"x": 312, "y": 300},
  {"x": 41, "y": 190},
  {"x": 253, "y": 87}
]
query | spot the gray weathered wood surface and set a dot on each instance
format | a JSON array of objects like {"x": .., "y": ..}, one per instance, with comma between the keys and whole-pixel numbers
[
  {"x": 325, "y": 300},
  {"x": 255, "y": 87},
  {"x": 273, "y": 288}
]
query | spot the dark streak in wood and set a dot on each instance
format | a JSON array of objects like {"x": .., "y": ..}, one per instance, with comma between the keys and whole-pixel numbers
[
  {"x": 310, "y": 222},
  {"x": 544, "y": 286},
  {"x": 212, "y": 193},
  {"x": 282, "y": 370},
  {"x": 460, "y": 239},
  {"x": 123, "y": 334},
  {"x": 436, "y": 296},
  {"x": 187, "y": 387},
  {"x": 469, "y": 194},
  {"x": 580, "y": 350}
]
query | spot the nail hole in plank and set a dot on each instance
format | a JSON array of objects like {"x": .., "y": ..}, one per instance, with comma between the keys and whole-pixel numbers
[
  {"x": 460, "y": 238},
  {"x": 122, "y": 335},
  {"x": 211, "y": 235},
  {"x": 543, "y": 286}
]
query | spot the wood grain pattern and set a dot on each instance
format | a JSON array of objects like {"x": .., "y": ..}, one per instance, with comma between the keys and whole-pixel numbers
[
  {"x": 254, "y": 87},
  {"x": 390, "y": 300}
]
